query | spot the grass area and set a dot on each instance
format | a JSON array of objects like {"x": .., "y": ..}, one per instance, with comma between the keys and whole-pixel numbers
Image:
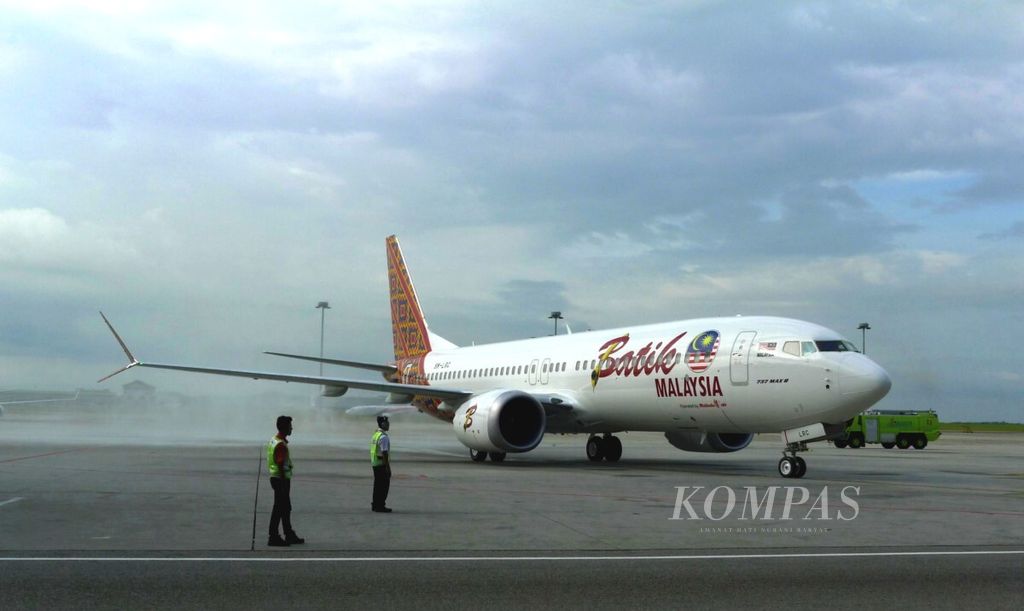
[{"x": 982, "y": 427}]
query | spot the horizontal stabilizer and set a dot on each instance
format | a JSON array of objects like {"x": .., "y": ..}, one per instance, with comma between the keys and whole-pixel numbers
[{"x": 386, "y": 369}]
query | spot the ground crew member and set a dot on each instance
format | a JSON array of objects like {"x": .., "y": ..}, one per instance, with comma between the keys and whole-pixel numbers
[
  {"x": 380, "y": 450},
  {"x": 279, "y": 463}
]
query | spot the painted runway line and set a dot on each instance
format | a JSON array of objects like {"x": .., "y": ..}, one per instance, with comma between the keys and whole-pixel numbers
[{"x": 526, "y": 558}]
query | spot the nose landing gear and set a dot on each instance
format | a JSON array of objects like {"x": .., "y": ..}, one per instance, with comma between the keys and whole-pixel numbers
[{"x": 793, "y": 466}]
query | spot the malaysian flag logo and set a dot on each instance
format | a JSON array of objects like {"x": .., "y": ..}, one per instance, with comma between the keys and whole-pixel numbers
[{"x": 702, "y": 351}]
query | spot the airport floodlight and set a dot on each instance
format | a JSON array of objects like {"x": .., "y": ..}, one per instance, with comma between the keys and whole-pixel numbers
[
  {"x": 556, "y": 316},
  {"x": 323, "y": 306},
  {"x": 863, "y": 337}
]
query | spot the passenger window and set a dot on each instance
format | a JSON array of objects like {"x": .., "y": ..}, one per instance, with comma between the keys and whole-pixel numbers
[{"x": 792, "y": 348}]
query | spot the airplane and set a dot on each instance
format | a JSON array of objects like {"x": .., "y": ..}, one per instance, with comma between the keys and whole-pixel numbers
[
  {"x": 23, "y": 402},
  {"x": 708, "y": 384}
]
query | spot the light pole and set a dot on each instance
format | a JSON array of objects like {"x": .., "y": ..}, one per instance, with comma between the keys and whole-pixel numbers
[
  {"x": 323, "y": 306},
  {"x": 864, "y": 337},
  {"x": 556, "y": 316}
]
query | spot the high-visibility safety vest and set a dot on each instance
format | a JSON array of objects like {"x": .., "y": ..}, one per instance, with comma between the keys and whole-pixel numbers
[
  {"x": 275, "y": 470},
  {"x": 375, "y": 458}
]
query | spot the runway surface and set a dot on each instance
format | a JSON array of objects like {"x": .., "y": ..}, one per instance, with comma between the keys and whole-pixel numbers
[{"x": 130, "y": 511}]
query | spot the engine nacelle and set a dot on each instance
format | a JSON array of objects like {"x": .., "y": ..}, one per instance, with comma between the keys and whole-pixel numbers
[
  {"x": 333, "y": 391},
  {"x": 697, "y": 441},
  {"x": 500, "y": 421}
]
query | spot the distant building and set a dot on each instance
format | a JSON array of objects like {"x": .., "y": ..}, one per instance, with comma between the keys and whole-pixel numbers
[{"x": 138, "y": 393}]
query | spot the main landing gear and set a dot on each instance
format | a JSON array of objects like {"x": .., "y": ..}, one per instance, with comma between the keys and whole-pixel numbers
[
  {"x": 479, "y": 456},
  {"x": 607, "y": 448},
  {"x": 793, "y": 466}
]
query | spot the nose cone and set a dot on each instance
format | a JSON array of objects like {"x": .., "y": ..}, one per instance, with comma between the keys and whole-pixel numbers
[{"x": 862, "y": 379}]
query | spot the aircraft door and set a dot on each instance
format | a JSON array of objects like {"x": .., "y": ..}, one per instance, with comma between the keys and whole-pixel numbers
[
  {"x": 533, "y": 373},
  {"x": 739, "y": 361}
]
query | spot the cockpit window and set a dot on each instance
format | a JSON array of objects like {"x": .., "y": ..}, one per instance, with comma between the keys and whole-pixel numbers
[
  {"x": 791, "y": 348},
  {"x": 835, "y": 345},
  {"x": 807, "y": 348}
]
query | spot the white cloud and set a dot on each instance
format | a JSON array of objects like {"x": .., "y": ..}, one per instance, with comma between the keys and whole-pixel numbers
[
  {"x": 644, "y": 77},
  {"x": 939, "y": 263},
  {"x": 928, "y": 175},
  {"x": 941, "y": 106},
  {"x": 37, "y": 239}
]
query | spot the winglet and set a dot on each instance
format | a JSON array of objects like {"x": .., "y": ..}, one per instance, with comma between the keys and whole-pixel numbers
[{"x": 132, "y": 361}]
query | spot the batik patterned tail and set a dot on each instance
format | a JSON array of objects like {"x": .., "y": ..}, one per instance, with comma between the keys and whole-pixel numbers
[{"x": 407, "y": 324}]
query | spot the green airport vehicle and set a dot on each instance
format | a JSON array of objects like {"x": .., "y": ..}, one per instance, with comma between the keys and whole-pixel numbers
[{"x": 891, "y": 428}]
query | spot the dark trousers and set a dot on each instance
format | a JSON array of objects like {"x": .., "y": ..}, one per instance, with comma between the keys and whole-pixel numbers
[
  {"x": 381, "y": 485},
  {"x": 282, "y": 505}
]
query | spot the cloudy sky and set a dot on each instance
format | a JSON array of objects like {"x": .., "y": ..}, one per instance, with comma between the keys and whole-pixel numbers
[{"x": 207, "y": 174}]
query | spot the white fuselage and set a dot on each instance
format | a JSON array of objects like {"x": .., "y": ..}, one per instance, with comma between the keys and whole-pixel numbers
[{"x": 738, "y": 374}]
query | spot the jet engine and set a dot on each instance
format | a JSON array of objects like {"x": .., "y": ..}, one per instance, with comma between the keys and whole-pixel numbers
[
  {"x": 698, "y": 441},
  {"x": 500, "y": 421}
]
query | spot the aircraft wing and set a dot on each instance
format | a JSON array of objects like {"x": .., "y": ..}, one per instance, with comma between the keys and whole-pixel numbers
[
  {"x": 380, "y": 410},
  {"x": 385, "y": 369},
  {"x": 390, "y": 387}
]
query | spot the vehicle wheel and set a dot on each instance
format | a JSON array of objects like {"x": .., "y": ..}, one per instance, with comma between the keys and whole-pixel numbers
[
  {"x": 477, "y": 456},
  {"x": 612, "y": 449},
  {"x": 497, "y": 456},
  {"x": 787, "y": 466},
  {"x": 801, "y": 467},
  {"x": 888, "y": 445},
  {"x": 595, "y": 449},
  {"x": 902, "y": 442},
  {"x": 840, "y": 443},
  {"x": 856, "y": 441},
  {"x": 920, "y": 442}
]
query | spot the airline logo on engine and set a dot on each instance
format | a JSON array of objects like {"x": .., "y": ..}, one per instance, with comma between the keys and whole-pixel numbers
[{"x": 468, "y": 422}]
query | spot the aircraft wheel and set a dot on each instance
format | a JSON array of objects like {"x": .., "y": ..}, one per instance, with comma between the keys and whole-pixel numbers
[
  {"x": 856, "y": 441},
  {"x": 612, "y": 449},
  {"x": 840, "y": 443},
  {"x": 888, "y": 445},
  {"x": 497, "y": 456},
  {"x": 787, "y": 466},
  {"x": 595, "y": 449},
  {"x": 801, "y": 467},
  {"x": 902, "y": 442},
  {"x": 477, "y": 456},
  {"x": 920, "y": 442}
]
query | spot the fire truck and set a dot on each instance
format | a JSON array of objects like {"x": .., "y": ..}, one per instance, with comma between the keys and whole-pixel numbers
[{"x": 891, "y": 428}]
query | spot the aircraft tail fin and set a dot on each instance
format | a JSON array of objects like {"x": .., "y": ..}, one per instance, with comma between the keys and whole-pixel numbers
[{"x": 408, "y": 327}]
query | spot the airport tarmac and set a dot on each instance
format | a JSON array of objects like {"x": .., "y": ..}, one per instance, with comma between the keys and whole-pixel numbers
[{"x": 129, "y": 490}]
